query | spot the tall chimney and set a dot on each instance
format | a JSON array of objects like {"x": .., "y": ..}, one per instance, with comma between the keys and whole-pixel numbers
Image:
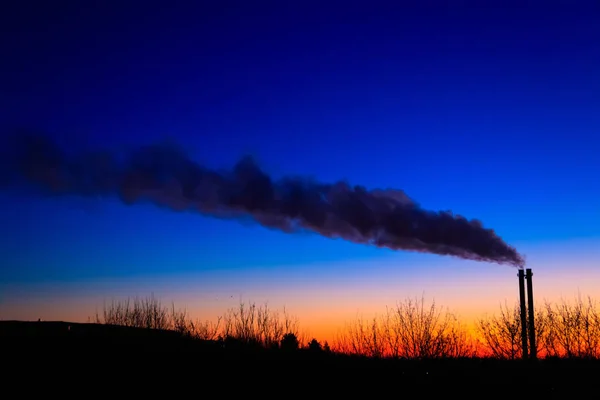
[
  {"x": 523, "y": 313},
  {"x": 532, "y": 346}
]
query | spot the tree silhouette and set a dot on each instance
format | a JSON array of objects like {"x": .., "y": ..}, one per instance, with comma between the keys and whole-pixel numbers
[
  {"x": 315, "y": 346},
  {"x": 500, "y": 334},
  {"x": 289, "y": 342},
  {"x": 574, "y": 328},
  {"x": 412, "y": 330}
]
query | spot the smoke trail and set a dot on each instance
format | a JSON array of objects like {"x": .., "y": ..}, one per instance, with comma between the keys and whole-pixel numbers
[{"x": 166, "y": 177}]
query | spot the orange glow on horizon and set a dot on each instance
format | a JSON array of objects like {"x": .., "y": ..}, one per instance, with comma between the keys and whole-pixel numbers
[{"x": 324, "y": 303}]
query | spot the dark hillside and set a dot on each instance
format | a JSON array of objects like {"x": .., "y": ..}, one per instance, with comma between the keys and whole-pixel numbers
[{"x": 165, "y": 359}]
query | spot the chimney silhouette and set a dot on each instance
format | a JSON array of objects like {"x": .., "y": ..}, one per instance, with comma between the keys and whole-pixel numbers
[
  {"x": 532, "y": 345},
  {"x": 523, "y": 313},
  {"x": 527, "y": 310}
]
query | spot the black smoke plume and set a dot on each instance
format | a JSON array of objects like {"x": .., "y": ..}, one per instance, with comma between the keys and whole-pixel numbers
[{"x": 165, "y": 176}]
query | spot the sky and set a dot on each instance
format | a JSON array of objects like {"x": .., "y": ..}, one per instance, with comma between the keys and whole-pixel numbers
[{"x": 487, "y": 109}]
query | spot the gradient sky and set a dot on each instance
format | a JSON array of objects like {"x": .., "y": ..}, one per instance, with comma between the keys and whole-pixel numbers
[{"x": 487, "y": 109}]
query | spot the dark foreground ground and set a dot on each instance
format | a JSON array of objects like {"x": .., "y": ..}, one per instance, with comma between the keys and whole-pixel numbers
[{"x": 60, "y": 357}]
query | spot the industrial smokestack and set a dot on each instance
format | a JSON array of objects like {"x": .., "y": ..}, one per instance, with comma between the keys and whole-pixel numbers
[
  {"x": 532, "y": 345},
  {"x": 523, "y": 313}
]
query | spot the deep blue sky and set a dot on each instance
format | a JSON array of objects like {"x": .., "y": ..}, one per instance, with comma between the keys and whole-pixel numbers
[{"x": 491, "y": 111}]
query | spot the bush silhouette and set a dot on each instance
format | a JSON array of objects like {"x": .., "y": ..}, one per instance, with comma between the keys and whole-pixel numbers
[
  {"x": 411, "y": 330},
  {"x": 289, "y": 342},
  {"x": 563, "y": 330},
  {"x": 314, "y": 345}
]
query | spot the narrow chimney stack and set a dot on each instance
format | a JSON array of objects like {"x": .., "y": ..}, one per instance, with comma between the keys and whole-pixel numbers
[
  {"x": 523, "y": 313},
  {"x": 532, "y": 345}
]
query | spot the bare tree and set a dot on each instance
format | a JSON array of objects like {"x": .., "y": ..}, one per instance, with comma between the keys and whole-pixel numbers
[
  {"x": 183, "y": 323},
  {"x": 140, "y": 313},
  {"x": 410, "y": 330},
  {"x": 501, "y": 334},
  {"x": 427, "y": 332},
  {"x": 260, "y": 325},
  {"x": 362, "y": 338},
  {"x": 207, "y": 330},
  {"x": 248, "y": 323},
  {"x": 574, "y": 328}
]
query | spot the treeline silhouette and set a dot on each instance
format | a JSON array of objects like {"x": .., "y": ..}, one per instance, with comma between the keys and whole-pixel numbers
[
  {"x": 140, "y": 345},
  {"x": 567, "y": 329},
  {"x": 412, "y": 329},
  {"x": 247, "y": 325}
]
